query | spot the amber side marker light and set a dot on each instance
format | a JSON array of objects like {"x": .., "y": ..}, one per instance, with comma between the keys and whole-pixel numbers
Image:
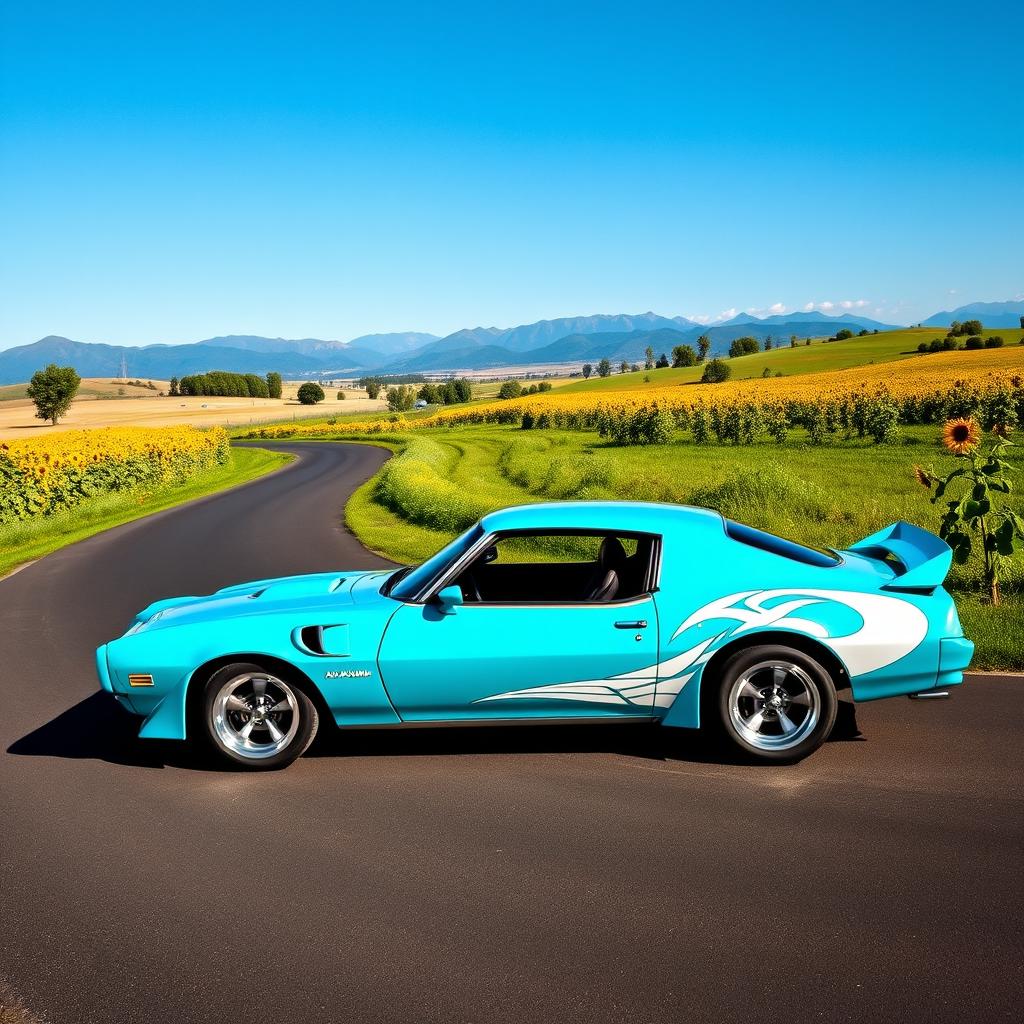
[{"x": 140, "y": 679}]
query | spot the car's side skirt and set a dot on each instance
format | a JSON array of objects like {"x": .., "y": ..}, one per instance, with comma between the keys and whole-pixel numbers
[{"x": 475, "y": 723}]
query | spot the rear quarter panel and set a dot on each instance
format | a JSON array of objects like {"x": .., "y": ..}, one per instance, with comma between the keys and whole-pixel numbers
[{"x": 716, "y": 592}]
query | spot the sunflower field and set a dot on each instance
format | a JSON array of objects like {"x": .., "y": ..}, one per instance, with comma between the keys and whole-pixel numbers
[
  {"x": 57, "y": 471},
  {"x": 871, "y": 401}
]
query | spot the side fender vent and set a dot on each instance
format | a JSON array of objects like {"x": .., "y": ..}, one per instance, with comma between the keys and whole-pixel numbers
[
  {"x": 323, "y": 641},
  {"x": 311, "y": 639}
]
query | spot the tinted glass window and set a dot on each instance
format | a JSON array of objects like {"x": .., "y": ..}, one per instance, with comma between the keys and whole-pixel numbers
[
  {"x": 778, "y": 546},
  {"x": 560, "y": 567},
  {"x": 413, "y": 582}
]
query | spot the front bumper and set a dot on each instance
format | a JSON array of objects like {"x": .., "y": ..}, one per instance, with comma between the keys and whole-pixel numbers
[{"x": 103, "y": 669}]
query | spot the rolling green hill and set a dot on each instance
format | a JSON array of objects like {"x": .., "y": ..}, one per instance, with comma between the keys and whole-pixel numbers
[{"x": 818, "y": 357}]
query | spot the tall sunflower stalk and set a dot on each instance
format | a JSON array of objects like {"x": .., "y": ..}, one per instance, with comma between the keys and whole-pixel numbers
[{"x": 971, "y": 513}]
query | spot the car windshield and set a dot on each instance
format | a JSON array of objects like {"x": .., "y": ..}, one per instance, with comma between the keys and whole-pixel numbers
[{"x": 406, "y": 588}]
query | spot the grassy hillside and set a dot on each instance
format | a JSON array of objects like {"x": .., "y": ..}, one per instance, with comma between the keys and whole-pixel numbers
[{"x": 818, "y": 357}]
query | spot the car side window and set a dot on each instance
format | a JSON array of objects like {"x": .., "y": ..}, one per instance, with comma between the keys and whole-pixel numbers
[{"x": 560, "y": 567}]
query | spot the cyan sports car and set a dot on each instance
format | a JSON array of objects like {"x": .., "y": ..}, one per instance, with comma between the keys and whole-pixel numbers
[{"x": 574, "y": 611}]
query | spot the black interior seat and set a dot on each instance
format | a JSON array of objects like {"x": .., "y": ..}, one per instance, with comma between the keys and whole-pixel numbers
[{"x": 606, "y": 577}]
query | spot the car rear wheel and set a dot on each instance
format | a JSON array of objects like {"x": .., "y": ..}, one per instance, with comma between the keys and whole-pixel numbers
[
  {"x": 256, "y": 719},
  {"x": 776, "y": 704}
]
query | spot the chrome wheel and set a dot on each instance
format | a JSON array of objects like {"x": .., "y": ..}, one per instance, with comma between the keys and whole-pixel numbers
[
  {"x": 255, "y": 716},
  {"x": 774, "y": 705}
]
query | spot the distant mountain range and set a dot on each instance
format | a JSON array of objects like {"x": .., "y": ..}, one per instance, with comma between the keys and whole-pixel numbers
[
  {"x": 991, "y": 314},
  {"x": 567, "y": 340}
]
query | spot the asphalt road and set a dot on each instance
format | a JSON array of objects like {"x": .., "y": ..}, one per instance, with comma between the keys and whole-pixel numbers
[{"x": 558, "y": 874}]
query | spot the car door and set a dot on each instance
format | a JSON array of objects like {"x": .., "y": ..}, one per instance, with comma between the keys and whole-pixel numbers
[{"x": 519, "y": 661}]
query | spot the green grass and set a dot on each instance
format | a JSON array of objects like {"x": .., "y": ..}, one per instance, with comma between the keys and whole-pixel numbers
[
  {"x": 26, "y": 540},
  {"x": 823, "y": 496},
  {"x": 818, "y": 357}
]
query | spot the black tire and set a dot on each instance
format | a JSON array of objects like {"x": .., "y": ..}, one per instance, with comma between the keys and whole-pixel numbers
[
  {"x": 774, "y": 704},
  {"x": 255, "y": 719}
]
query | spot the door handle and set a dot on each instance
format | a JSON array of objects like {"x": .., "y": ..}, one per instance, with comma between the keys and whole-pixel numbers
[{"x": 632, "y": 624}]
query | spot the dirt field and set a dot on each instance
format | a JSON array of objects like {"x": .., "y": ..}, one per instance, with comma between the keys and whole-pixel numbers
[{"x": 143, "y": 408}]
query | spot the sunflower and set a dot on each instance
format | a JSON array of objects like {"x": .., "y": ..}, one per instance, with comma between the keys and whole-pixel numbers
[
  {"x": 1002, "y": 430},
  {"x": 923, "y": 477},
  {"x": 961, "y": 435}
]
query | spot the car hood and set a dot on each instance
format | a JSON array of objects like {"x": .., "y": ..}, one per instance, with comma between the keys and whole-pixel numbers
[{"x": 260, "y": 597}]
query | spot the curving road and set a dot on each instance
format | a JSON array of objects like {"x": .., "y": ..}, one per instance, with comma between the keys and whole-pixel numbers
[{"x": 555, "y": 874}]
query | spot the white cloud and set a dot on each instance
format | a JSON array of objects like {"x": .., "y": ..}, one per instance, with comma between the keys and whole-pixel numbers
[
  {"x": 727, "y": 314},
  {"x": 772, "y": 310},
  {"x": 827, "y": 306}
]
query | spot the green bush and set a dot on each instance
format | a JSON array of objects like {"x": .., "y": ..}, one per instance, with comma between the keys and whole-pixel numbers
[
  {"x": 310, "y": 394},
  {"x": 715, "y": 372},
  {"x": 415, "y": 486}
]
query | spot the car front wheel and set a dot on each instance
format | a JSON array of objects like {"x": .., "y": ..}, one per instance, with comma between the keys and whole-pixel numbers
[
  {"x": 775, "y": 703},
  {"x": 255, "y": 719}
]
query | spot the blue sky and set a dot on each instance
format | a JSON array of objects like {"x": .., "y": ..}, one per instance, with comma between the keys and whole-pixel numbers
[{"x": 170, "y": 172}]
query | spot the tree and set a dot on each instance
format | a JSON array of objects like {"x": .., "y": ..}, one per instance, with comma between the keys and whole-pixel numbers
[
  {"x": 401, "y": 397},
  {"x": 1022, "y": 323},
  {"x": 703, "y": 347},
  {"x": 513, "y": 389},
  {"x": 623, "y": 367},
  {"x": 662, "y": 361},
  {"x": 310, "y": 393},
  {"x": 604, "y": 368},
  {"x": 174, "y": 387},
  {"x": 716, "y": 372},
  {"x": 792, "y": 341},
  {"x": 768, "y": 343},
  {"x": 274, "y": 384},
  {"x": 52, "y": 390},
  {"x": 683, "y": 355},
  {"x": 844, "y": 334},
  {"x": 373, "y": 385},
  {"x": 341, "y": 396},
  {"x": 745, "y": 346},
  {"x": 648, "y": 358},
  {"x": 587, "y": 370},
  {"x": 971, "y": 327}
]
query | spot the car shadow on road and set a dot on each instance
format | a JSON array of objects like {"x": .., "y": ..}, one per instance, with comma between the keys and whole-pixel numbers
[
  {"x": 638, "y": 740},
  {"x": 97, "y": 728}
]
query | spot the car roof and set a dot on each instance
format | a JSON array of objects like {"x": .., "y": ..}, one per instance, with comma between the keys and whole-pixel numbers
[{"x": 625, "y": 516}]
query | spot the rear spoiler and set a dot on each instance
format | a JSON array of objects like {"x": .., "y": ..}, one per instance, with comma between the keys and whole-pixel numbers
[{"x": 924, "y": 558}]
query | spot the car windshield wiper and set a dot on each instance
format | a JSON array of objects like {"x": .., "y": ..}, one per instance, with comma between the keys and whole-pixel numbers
[{"x": 398, "y": 574}]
